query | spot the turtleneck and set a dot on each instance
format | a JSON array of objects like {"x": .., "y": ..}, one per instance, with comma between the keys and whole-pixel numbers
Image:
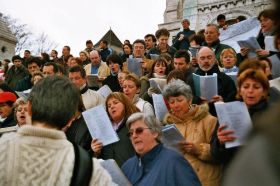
[{"x": 159, "y": 76}]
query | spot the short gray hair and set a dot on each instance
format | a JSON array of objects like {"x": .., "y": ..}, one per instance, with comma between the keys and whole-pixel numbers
[
  {"x": 150, "y": 120},
  {"x": 177, "y": 88}
]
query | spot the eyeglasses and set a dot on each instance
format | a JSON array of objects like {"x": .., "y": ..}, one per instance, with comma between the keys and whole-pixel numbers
[{"x": 137, "y": 131}]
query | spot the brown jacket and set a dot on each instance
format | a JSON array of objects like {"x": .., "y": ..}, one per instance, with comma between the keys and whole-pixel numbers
[{"x": 197, "y": 127}]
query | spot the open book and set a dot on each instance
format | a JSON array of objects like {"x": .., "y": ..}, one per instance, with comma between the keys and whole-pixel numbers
[{"x": 205, "y": 86}]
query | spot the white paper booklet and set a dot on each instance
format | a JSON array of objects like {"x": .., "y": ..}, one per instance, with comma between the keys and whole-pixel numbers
[
  {"x": 99, "y": 125},
  {"x": 104, "y": 91},
  {"x": 205, "y": 86},
  {"x": 160, "y": 107},
  {"x": 236, "y": 116},
  {"x": 171, "y": 137},
  {"x": 134, "y": 65}
]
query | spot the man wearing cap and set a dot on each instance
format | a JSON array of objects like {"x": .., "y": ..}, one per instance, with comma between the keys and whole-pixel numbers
[
  {"x": 181, "y": 41},
  {"x": 16, "y": 72},
  {"x": 7, "y": 100}
]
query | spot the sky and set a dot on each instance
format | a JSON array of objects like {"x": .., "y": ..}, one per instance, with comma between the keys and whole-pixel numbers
[{"x": 72, "y": 22}]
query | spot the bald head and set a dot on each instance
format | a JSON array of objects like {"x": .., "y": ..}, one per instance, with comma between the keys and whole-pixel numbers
[
  {"x": 94, "y": 58},
  {"x": 206, "y": 58}
]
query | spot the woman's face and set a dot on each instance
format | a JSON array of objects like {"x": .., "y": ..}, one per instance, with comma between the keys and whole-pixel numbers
[
  {"x": 116, "y": 109},
  {"x": 114, "y": 67},
  {"x": 126, "y": 49},
  {"x": 121, "y": 77},
  {"x": 160, "y": 69},
  {"x": 251, "y": 92},
  {"x": 21, "y": 114},
  {"x": 179, "y": 105},
  {"x": 228, "y": 60},
  {"x": 5, "y": 110},
  {"x": 266, "y": 24},
  {"x": 83, "y": 56},
  {"x": 130, "y": 89}
]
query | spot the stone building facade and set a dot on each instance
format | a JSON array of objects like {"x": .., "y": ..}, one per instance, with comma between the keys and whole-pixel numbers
[
  {"x": 7, "y": 41},
  {"x": 202, "y": 12}
]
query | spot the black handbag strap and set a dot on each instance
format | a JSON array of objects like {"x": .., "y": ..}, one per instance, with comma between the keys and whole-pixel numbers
[{"x": 83, "y": 167}]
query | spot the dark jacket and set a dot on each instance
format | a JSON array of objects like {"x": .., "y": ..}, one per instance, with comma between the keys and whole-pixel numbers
[
  {"x": 104, "y": 53},
  {"x": 160, "y": 166},
  {"x": 24, "y": 84},
  {"x": 184, "y": 43},
  {"x": 121, "y": 150},
  {"x": 226, "y": 86},
  {"x": 9, "y": 121},
  {"x": 14, "y": 75},
  {"x": 78, "y": 133},
  {"x": 113, "y": 82},
  {"x": 171, "y": 51}
]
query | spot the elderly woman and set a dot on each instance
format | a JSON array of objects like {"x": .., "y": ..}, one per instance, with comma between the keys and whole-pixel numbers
[
  {"x": 119, "y": 108},
  {"x": 7, "y": 100},
  {"x": 21, "y": 116},
  {"x": 131, "y": 88},
  {"x": 197, "y": 126},
  {"x": 153, "y": 163}
]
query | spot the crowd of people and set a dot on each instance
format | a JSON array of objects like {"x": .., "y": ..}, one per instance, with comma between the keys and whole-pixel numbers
[{"x": 47, "y": 142}]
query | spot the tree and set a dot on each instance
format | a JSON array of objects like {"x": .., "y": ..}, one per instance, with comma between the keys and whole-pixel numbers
[
  {"x": 43, "y": 43},
  {"x": 27, "y": 40},
  {"x": 21, "y": 32}
]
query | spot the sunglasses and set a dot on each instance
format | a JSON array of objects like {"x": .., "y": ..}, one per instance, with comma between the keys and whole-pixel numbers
[{"x": 137, "y": 131}]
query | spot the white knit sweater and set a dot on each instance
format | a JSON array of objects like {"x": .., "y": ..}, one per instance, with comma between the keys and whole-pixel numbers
[{"x": 40, "y": 156}]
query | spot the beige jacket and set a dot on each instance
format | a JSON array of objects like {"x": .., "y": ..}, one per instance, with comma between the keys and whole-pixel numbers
[
  {"x": 40, "y": 156},
  {"x": 197, "y": 127},
  {"x": 103, "y": 70}
]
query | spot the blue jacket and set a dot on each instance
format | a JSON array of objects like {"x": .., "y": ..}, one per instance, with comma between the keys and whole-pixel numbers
[
  {"x": 184, "y": 44},
  {"x": 160, "y": 166}
]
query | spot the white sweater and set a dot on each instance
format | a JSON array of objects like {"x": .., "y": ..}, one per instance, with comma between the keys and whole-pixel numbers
[{"x": 40, "y": 156}]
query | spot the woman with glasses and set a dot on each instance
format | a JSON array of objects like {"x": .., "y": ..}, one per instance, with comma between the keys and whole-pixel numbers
[
  {"x": 153, "y": 163},
  {"x": 197, "y": 126},
  {"x": 119, "y": 108}
]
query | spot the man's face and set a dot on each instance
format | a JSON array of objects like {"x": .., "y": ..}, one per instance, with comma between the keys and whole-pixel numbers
[
  {"x": 94, "y": 58},
  {"x": 33, "y": 67},
  {"x": 181, "y": 64},
  {"x": 221, "y": 22},
  {"x": 77, "y": 79},
  {"x": 53, "y": 54},
  {"x": 185, "y": 25},
  {"x": 211, "y": 34},
  {"x": 149, "y": 43},
  {"x": 17, "y": 63},
  {"x": 163, "y": 41},
  {"x": 26, "y": 54},
  {"x": 48, "y": 71},
  {"x": 65, "y": 51},
  {"x": 102, "y": 45},
  {"x": 138, "y": 50},
  {"x": 89, "y": 45},
  {"x": 206, "y": 59}
]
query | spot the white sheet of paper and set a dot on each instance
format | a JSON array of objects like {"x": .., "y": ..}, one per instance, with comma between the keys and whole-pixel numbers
[
  {"x": 116, "y": 173},
  {"x": 157, "y": 83},
  {"x": 23, "y": 95},
  {"x": 99, "y": 125},
  {"x": 154, "y": 56},
  {"x": 275, "y": 65},
  {"x": 250, "y": 43},
  {"x": 206, "y": 86},
  {"x": 104, "y": 91},
  {"x": 171, "y": 136},
  {"x": 160, "y": 107},
  {"x": 269, "y": 43},
  {"x": 236, "y": 116},
  {"x": 275, "y": 83},
  {"x": 240, "y": 31},
  {"x": 134, "y": 65}
]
